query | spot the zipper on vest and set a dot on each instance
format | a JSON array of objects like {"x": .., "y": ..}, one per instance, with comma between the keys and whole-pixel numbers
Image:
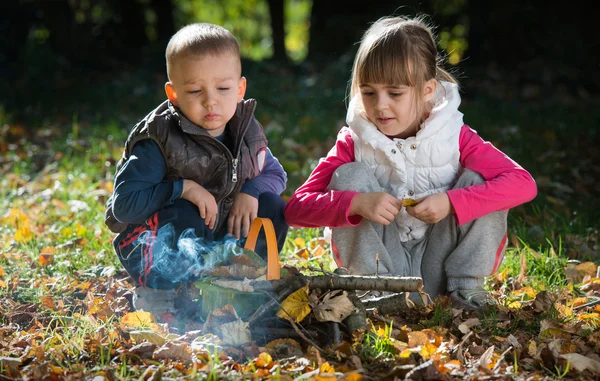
[{"x": 234, "y": 174}]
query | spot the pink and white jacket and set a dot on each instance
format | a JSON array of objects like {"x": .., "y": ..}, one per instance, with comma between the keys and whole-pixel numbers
[{"x": 414, "y": 167}]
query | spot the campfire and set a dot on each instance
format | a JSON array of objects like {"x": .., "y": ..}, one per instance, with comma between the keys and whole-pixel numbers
[{"x": 245, "y": 298}]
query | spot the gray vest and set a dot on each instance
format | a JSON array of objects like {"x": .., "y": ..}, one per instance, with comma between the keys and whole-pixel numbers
[{"x": 191, "y": 153}]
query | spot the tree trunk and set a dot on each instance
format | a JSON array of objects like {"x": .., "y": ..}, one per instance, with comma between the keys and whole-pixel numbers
[
  {"x": 276, "y": 11},
  {"x": 336, "y": 29}
]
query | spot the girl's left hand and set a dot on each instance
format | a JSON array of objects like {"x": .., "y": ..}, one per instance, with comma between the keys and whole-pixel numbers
[{"x": 432, "y": 209}]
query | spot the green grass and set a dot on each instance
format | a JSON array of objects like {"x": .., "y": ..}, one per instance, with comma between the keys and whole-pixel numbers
[{"x": 58, "y": 173}]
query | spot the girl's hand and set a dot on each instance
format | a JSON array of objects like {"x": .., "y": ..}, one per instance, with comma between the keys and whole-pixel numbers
[
  {"x": 243, "y": 212},
  {"x": 378, "y": 207},
  {"x": 207, "y": 206},
  {"x": 432, "y": 209}
]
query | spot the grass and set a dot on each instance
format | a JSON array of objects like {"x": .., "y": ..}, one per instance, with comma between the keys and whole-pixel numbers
[{"x": 56, "y": 173}]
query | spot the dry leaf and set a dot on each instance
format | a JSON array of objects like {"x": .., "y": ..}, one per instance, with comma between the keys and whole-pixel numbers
[
  {"x": 235, "y": 333},
  {"x": 581, "y": 362},
  {"x": 149, "y": 336},
  {"x": 296, "y": 305},
  {"x": 333, "y": 306},
  {"x": 409, "y": 202},
  {"x": 174, "y": 351}
]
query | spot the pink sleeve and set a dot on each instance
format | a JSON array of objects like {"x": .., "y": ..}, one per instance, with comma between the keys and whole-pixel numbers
[
  {"x": 506, "y": 185},
  {"x": 312, "y": 205}
]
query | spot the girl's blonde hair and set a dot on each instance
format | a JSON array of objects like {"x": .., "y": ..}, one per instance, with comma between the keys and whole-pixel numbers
[{"x": 399, "y": 51}]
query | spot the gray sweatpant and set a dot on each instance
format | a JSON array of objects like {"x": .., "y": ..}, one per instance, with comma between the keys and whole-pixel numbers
[{"x": 449, "y": 257}]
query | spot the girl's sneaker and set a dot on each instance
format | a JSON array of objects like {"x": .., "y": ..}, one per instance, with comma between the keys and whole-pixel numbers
[{"x": 475, "y": 299}]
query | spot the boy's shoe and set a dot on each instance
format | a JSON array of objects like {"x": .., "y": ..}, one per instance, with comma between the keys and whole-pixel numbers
[
  {"x": 475, "y": 299},
  {"x": 157, "y": 302}
]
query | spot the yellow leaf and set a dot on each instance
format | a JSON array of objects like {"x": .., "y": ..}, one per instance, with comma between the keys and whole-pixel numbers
[
  {"x": 2, "y": 273},
  {"x": 303, "y": 253},
  {"x": 593, "y": 317},
  {"x": 24, "y": 233},
  {"x": 587, "y": 268},
  {"x": 327, "y": 368},
  {"x": 45, "y": 259},
  {"x": 319, "y": 251},
  {"x": 149, "y": 336},
  {"x": 48, "y": 302},
  {"x": 563, "y": 310},
  {"x": 527, "y": 293},
  {"x": 296, "y": 305},
  {"x": 263, "y": 360},
  {"x": 409, "y": 202},
  {"x": 2, "y": 284},
  {"x": 579, "y": 301},
  {"x": 137, "y": 319},
  {"x": 515, "y": 305},
  {"x": 66, "y": 232},
  {"x": 299, "y": 242},
  {"x": 354, "y": 377}
]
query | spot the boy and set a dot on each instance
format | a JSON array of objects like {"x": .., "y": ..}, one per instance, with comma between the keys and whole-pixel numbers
[{"x": 199, "y": 162}]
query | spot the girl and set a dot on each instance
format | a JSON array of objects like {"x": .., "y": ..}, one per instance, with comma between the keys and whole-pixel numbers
[{"x": 406, "y": 144}]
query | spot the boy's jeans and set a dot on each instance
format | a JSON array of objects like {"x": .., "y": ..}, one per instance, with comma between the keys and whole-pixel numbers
[
  {"x": 168, "y": 261},
  {"x": 449, "y": 257}
]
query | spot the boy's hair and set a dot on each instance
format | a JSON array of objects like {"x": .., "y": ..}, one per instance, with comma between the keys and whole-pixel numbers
[
  {"x": 198, "y": 40},
  {"x": 399, "y": 51}
]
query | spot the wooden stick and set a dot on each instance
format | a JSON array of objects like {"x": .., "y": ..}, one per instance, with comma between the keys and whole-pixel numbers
[
  {"x": 279, "y": 332},
  {"x": 388, "y": 305},
  {"x": 356, "y": 322},
  {"x": 344, "y": 282}
]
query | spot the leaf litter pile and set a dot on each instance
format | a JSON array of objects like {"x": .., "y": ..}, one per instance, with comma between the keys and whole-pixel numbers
[
  {"x": 66, "y": 306},
  {"x": 84, "y": 325}
]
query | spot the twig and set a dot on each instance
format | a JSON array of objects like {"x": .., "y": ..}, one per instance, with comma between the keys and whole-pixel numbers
[
  {"x": 298, "y": 329},
  {"x": 265, "y": 308},
  {"x": 374, "y": 313},
  {"x": 595, "y": 301},
  {"x": 278, "y": 332}
]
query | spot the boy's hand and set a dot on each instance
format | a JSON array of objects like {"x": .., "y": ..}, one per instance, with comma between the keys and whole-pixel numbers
[
  {"x": 378, "y": 207},
  {"x": 196, "y": 194},
  {"x": 432, "y": 209},
  {"x": 243, "y": 212}
]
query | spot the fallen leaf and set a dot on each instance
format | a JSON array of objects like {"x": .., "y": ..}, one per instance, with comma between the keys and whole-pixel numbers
[
  {"x": 333, "y": 306},
  {"x": 149, "y": 336},
  {"x": 581, "y": 362},
  {"x": 235, "y": 333},
  {"x": 174, "y": 351},
  {"x": 295, "y": 306}
]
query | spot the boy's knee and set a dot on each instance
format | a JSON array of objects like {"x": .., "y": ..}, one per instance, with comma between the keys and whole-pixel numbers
[
  {"x": 274, "y": 201},
  {"x": 468, "y": 178},
  {"x": 355, "y": 176}
]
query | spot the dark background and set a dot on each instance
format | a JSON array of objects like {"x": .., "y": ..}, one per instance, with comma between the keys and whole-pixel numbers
[{"x": 50, "y": 49}]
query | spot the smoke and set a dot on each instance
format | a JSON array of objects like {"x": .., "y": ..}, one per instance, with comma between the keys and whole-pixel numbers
[{"x": 175, "y": 260}]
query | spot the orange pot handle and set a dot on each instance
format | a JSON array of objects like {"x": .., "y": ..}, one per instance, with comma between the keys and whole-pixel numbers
[{"x": 272, "y": 251}]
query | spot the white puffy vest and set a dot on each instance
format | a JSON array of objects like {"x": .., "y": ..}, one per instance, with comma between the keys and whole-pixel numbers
[{"x": 417, "y": 166}]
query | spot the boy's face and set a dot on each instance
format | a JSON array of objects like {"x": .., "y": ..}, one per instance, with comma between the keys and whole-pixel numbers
[{"x": 207, "y": 89}]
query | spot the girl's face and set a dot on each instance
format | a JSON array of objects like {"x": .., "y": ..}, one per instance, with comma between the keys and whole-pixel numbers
[{"x": 392, "y": 108}]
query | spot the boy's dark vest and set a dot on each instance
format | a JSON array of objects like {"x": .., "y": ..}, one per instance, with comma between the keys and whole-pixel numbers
[{"x": 191, "y": 153}]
